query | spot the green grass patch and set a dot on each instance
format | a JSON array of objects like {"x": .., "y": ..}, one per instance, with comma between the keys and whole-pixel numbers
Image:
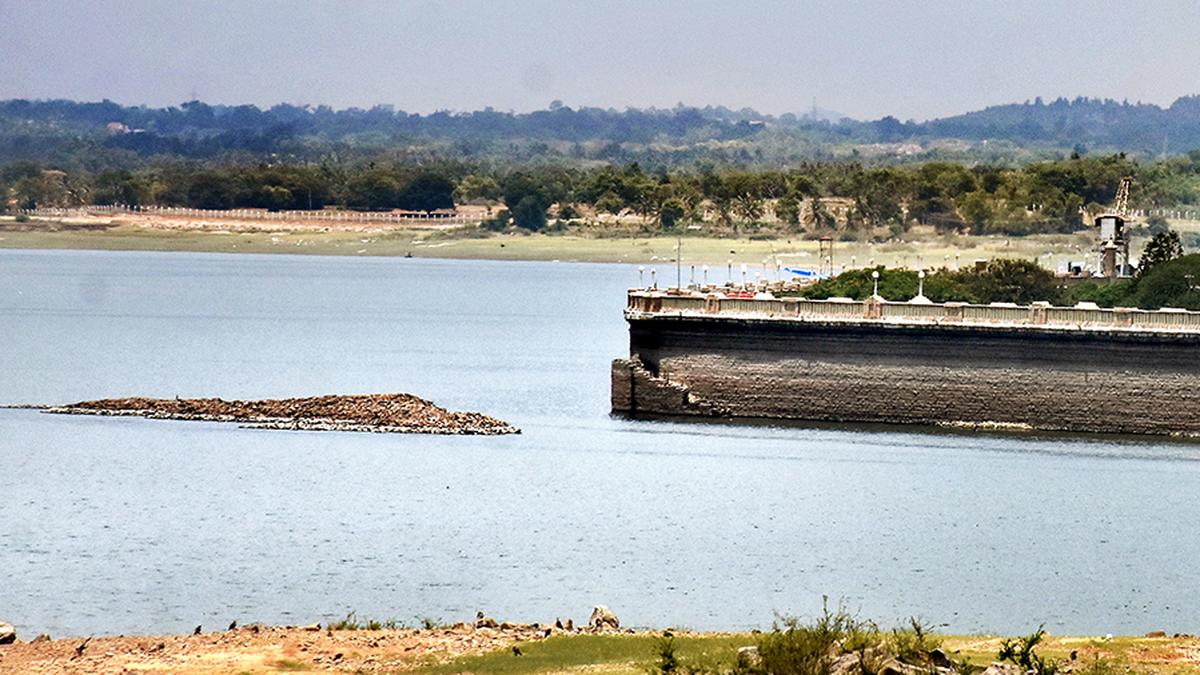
[
  {"x": 288, "y": 666},
  {"x": 599, "y": 654},
  {"x": 352, "y": 622}
]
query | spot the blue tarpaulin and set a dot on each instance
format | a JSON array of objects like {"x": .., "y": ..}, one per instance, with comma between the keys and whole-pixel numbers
[{"x": 807, "y": 274}]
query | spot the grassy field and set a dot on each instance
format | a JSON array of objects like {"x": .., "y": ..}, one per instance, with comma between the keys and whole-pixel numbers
[
  {"x": 637, "y": 654},
  {"x": 597, "y": 654},
  {"x": 924, "y": 249},
  {"x": 630, "y": 654}
]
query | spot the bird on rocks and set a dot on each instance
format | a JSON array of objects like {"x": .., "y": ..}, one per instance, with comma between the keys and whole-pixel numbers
[
  {"x": 232, "y": 624},
  {"x": 82, "y": 646},
  {"x": 197, "y": 631},
  {"x": 516, "y": 651}
]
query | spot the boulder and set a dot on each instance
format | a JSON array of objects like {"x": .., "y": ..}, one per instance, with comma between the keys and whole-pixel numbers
[
  {"x": 939, "y": 659},
  {"x": 8, "y": 634},
  {"x": 845, "y": 664},
  {"x": 603, "y": 619},
  {"x": 997, "y": 668},
  {"x": 482, "y": 621},
  {"x": 1157, "y": 634},
  {"x": 897, "y": 667},
  {"x": 747, "y": 657}
]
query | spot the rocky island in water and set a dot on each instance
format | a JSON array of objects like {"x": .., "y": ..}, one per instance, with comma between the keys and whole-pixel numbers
[{"x": 384, "y": 413}]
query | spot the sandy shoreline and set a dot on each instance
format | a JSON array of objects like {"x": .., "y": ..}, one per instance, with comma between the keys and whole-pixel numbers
[
  {"x": 530, "y": 648},
  {"x": 648, "y": 248},
  {"x": 257, "y": 648}
]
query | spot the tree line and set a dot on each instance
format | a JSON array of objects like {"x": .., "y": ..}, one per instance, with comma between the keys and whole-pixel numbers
[
  {"x": 99, "y": 135},
  {"x": 849, "y": 197}
]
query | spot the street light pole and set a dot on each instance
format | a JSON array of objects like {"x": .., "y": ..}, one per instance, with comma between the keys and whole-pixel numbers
[{"x": 679, "y": 262}]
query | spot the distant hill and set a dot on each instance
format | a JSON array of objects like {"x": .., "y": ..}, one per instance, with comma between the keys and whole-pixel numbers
[
  {"x": 107, "y": 133},
  {"x": 1136, "y": 127}
]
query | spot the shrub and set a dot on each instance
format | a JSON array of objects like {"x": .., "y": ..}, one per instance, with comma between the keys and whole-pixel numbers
[
  {"x": 1020, "y": 651},
  {"x": 1105, "y": 294},
  {"x": 530, "y": 213},
  {"x": 668, "y": 660},
  {"x": 1171, "y": 284},
  {"x": 568, "y": 212},
  {"x": 497, "y": 222},
  {"x": 348, "y": 623},
  {"x": 913, "y": 643},
  {"x": 671, "y": 213},
  {"x": 793, "y": 648},
  {"x": 1004, "y": 280},
  {"x": 351, "y": 622}
]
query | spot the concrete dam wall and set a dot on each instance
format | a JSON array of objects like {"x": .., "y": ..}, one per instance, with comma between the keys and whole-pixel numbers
[{"x": 1015, "y": 367}]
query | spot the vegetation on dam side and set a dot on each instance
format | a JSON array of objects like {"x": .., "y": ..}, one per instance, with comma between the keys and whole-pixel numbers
[{"x": 1166, "y": 278}]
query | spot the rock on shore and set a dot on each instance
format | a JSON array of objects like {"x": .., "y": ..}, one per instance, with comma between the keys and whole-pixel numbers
[
  {"x": 389, "y": 413},
  {"x": 603, "y": 619}
]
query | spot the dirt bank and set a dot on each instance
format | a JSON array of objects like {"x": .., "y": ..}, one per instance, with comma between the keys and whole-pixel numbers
[
  {"x": 538, "y": 649},
  {"x": 256, "y": 649},
  {"x": 391, "y": 413},
  {"x": 921, "y": 248}
]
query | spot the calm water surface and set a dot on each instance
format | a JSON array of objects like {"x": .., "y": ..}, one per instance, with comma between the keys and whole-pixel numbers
[{"x": 129, "y": 525}]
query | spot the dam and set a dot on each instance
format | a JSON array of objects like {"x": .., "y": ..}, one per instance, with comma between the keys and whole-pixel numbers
[{"x": 1036, "y": 367}]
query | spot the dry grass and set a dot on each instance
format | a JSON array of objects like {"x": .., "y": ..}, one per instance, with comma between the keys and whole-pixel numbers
[{"x": 920, "y": 248}]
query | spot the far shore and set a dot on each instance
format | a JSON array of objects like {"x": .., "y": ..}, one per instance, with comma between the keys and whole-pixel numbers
[{"x": 761, "y": 255}]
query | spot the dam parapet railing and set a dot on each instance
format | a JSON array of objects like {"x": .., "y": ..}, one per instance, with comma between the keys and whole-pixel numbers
[{"x": 646, "y": 304}]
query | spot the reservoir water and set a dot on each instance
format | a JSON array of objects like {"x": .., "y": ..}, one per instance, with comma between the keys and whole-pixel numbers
[{"x": 132, "y": 526}]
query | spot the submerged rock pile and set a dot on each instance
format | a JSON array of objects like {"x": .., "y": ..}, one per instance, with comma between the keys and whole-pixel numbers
[{"x": 386, "y": 413}]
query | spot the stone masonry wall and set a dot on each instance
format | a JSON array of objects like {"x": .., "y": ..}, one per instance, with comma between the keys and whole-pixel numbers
[{"x": 1117, "y": 383}]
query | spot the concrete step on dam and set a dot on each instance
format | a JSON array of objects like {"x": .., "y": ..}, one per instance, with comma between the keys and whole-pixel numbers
[{"x": 1076, "y": 369}]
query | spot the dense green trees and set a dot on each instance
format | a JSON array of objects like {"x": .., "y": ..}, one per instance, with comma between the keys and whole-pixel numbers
[
  {"x": 683, "y": 136},
  {"x": 1162, "y": 247},
  {"x": 529, "y": 195},
  {"x": 427, "y": 192},
  {"x": 1003, "y": 280},
  {"x": 374, "y": 189},
  {"x": 1174, "y": 283},
  {"x": 817, "y": 198}
]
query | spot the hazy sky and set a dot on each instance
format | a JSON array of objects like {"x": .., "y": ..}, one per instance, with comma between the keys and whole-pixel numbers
[{"x": 865, "y": 59}]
